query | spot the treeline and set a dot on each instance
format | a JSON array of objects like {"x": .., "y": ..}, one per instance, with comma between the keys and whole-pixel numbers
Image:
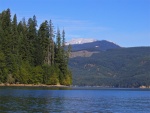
[
  {"x": 124, "y": 67},
  {"x": 32, "y": 56}
]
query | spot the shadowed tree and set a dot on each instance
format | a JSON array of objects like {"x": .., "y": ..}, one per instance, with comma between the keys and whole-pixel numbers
[{"x": 28, "y": 55}]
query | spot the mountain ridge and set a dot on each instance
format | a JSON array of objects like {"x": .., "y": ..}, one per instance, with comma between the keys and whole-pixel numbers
[
  {"x": 80, "y": 41},
  {"x": 110, "y": 66},
  {"x": 99, "y": 45}
]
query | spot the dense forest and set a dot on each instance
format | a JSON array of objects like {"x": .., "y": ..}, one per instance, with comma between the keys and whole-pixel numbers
[
  {"x": 122, "y": 67},
  {"x": 31, "y": 54}
]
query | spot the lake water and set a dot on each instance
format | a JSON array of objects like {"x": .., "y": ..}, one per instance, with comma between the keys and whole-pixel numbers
[{"x": 73, "y": 100}]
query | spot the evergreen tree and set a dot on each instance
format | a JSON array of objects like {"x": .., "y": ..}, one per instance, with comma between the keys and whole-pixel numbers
[
  {"x": 31, "y": 37},
  {"x": 28, "y": 55},
  {"x": 69, "y": 49},
  {"x": 23, "y": 41},
  {"x": 6, "y": 40},
  {"x": 14, "y": 35},
  {"x": 58, "y": 48},
  {"x": 2, "y": 67},
  {"x": 51, "y": 38},
  {"x": 15, "y": 49},
  {"x": 64, "y": 59},
  {"x": 43, "y": 37}
]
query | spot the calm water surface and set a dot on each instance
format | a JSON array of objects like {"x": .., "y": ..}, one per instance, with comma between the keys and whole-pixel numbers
[{"x": 73, "y": 100}]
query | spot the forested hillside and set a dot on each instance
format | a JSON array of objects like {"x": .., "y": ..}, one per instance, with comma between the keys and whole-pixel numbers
[
  {"x": 31, "y": 56},
  {"x": 122, "y": 67}
]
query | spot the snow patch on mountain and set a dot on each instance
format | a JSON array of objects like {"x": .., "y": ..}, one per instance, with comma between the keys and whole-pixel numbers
[{"x": 80, "y": 41}]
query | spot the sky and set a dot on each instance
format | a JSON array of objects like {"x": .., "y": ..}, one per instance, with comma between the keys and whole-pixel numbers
[{"x": 124, "y": 22}]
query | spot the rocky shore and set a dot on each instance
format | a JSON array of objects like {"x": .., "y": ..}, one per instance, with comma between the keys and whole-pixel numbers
[
  {"x": 144, "y": 87},
  {"x": 32, "y": 85}
]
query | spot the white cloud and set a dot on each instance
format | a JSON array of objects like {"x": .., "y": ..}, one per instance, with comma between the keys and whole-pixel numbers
[
  {"x": 79, "y": 28},
  {"x": 79, "y": 25}
]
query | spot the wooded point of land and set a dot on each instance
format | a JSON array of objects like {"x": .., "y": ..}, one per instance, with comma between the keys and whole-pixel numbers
[{"x": 32, "y": 56}]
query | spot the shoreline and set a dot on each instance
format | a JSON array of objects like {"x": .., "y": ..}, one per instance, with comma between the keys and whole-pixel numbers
[
  {"x": 33, "y": 85},
  {"x": 61, "y": 86}
]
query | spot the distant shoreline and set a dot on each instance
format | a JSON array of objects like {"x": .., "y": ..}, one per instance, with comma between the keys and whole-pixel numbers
[
  {"x": 33, "y": 85},
  {"x": 61, "y": 86}
]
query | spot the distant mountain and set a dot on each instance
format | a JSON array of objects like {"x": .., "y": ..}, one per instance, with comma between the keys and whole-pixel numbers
[
  {"x": 114, "y": 67},
  {"x": 94, "y": 45},
  {"x": 80, "y": 41}
]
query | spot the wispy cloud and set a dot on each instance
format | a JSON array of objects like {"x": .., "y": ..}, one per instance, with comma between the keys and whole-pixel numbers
[
  {"x": 74, "y": 28},
  {"x": 80, "y": 28},
  {"x": 79, "y": 25}
]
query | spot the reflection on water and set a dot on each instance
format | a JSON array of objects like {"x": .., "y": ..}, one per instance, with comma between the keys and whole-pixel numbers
[{"x": 47, "y": 100}]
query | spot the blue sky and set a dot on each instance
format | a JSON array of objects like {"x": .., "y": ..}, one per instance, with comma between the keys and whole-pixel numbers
[{"x": 125, "y": 22}]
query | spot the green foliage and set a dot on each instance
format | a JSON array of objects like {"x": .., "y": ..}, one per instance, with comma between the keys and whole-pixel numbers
[
  {"x": 10, "y": 79},
  {"x": 3, "y": 70},
  {"x": 37, "y": 75},
  {"x": 29, "y": 55},
  {"x": 53, "y": 79},
  {"x": 25, "y": 73},
  {"x": 125, "y": 67}
]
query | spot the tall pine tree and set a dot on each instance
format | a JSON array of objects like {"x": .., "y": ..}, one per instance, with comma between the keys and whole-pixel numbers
[{"x": 28, "y": 55}]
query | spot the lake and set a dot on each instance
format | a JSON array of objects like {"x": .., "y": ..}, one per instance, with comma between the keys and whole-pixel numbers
[{"x": 73, "y": 100}]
